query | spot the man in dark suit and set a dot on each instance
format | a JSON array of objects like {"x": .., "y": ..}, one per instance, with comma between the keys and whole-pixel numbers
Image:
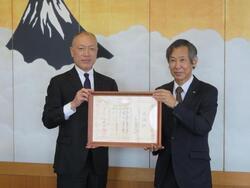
[
  {"x": 189, "y": 109},
  {"x": 76, "y": 164}
]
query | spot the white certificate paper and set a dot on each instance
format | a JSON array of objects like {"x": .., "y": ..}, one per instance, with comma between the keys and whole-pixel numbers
[{"x": 124, "y": 120}]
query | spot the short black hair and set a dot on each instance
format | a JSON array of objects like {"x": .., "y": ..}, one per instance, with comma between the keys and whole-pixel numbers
[{"x": 192, "y": 51}]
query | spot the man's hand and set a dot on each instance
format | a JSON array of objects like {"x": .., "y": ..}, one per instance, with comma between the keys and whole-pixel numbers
[
  {"x": 165, "y": 96},
  {"x": 153, "y": 148},
  {"x": 88, "y": 146},
  {"x": 81, "y": 96}
]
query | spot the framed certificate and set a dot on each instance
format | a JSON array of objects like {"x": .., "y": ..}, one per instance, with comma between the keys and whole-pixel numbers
[{"x": 123, "y": 119}]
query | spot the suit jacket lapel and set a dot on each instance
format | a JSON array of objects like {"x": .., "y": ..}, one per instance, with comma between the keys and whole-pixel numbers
[
  {"x": 96, "y": 81},
  {"x": 75, "y": 81},
  {"x": 191, "y": 93}
]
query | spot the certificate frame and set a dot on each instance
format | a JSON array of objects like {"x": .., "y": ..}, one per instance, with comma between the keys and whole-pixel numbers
[{"x": 124, "y": 119}]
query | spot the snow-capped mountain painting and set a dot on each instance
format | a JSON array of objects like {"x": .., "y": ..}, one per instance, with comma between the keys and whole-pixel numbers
[{"x": 45, "y": 31}]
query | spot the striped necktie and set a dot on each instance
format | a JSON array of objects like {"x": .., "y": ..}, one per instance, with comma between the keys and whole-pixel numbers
[
  {"x": 178, "y": 92},
  {"x": 87, "y": 84}
]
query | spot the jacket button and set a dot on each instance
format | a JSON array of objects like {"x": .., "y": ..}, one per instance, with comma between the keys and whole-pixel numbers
[{"x": 172, "y": 137}]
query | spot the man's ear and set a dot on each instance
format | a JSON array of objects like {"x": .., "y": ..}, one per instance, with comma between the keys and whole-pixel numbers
[
  {"x": 194, "y": 62},
  {"x": 71, "y": 51}
]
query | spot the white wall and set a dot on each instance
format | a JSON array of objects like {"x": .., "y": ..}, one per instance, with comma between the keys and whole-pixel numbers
[{"x": 135, "y": 66}]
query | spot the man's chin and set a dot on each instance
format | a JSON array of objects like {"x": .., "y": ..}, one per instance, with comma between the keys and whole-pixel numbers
[
  {"x": 178, "y": 80},
  {"x": 178, "y": 77},
  {"x": 85, "y": 67}
]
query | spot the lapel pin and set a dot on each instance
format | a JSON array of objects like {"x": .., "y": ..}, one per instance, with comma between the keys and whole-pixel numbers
[{"x": 194, "y": 92}]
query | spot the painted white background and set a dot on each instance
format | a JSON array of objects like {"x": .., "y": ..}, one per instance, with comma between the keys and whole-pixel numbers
[{"x": 136, "y": 66}]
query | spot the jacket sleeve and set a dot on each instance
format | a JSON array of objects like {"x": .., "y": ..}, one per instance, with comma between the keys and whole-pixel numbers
[
  {"x": 199, "y": 120},
  {"x": 115, "y": 87},
  {"x": 53, "y": 109}
]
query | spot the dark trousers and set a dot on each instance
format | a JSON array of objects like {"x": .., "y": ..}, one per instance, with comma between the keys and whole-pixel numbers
[
  {"x": 86, "y": 179},
  {"x": 81, "y": 181},
  {"x": 169, "y": 180}
]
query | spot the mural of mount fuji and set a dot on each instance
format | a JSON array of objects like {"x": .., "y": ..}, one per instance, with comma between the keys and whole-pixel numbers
[{"x": 45, "y": 31}]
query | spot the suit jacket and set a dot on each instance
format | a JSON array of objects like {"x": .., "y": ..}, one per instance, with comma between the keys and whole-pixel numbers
[
  {"x": 71, "y": 154},
  {"x": 185, "y": 136}
]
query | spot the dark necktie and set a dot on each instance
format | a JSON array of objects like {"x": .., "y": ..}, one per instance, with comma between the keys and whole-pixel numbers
[
  {"x": 178, "y": 92},
  {"x": 87, "y": 84}
]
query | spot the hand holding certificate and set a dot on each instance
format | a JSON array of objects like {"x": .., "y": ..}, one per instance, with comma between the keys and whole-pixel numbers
[{"x": 124, "y": 119}]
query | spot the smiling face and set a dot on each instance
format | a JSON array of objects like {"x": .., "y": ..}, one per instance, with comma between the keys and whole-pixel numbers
[
  {"x": 181, "y": 65},
  {"x": 84, "y": 51}
]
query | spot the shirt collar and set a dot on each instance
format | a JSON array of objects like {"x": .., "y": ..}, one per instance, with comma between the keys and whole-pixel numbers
[
  {"x": 185, "y": 86},
  {"x": 81, "y": 72}
]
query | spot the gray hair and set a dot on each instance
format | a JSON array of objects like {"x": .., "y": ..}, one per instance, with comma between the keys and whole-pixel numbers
[{"x": 192, "y": 51}]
